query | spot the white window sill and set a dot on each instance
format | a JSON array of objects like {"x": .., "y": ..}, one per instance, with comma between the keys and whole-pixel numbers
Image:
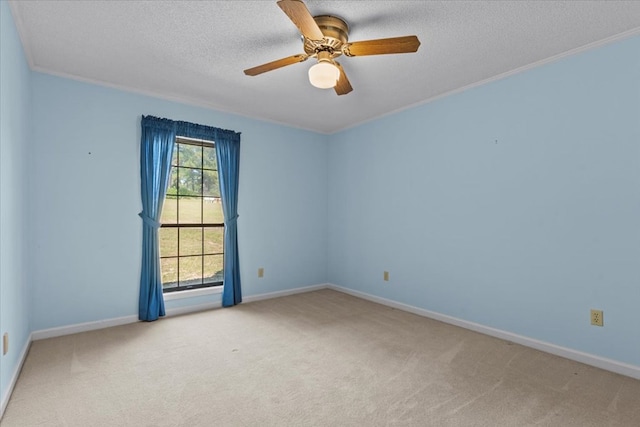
[{"x": 169, "y": 296}]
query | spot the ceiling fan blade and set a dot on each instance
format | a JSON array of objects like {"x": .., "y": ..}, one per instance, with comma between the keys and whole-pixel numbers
[
  {"x": 274, "y": 65},
  {"x": 299, "y": 14},
  {"x": 406, "y": 44},
  {"x": 343, "y": 86}
]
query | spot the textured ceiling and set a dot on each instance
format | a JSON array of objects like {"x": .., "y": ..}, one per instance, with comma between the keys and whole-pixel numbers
[{"x": 196, "y": 51}]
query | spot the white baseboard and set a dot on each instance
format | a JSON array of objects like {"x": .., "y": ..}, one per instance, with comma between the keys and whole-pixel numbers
[
  {"x": 82, "y": 327},
  {"x": 568, "y": 353},
  {"x": 107, "y": 323},
  {"x": 285, "y": 293},
  {"x": 15, "y": 375},
  {"x": 117, "y": 321}
]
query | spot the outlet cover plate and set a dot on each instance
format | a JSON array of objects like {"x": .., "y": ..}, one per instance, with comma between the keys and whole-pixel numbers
[{"x": 597, "y": 318}]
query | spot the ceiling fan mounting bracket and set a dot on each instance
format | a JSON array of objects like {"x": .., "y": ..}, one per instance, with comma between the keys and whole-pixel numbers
[{"x": 336, "y": 34}]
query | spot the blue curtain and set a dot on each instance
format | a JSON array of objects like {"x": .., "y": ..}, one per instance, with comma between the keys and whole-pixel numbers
[
  {"x": 156, "y": 151},
  {"x": 228, "y": 154}
]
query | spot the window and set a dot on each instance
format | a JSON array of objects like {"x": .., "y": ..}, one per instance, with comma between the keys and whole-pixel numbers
[{"x": 192, "y": 230}]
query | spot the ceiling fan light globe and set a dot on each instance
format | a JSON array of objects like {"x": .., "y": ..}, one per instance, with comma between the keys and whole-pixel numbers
[{"x": 324, "y": 75}]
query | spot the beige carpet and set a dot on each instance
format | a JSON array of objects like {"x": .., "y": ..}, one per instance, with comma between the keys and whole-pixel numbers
[{"x": 316, "y": 359}]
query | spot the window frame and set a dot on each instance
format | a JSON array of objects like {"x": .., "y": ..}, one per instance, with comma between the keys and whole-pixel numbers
[{"x": 202, "y": 225}]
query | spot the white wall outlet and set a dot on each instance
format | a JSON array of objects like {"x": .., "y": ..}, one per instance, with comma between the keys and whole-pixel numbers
[{"x": 597, "y": 318}]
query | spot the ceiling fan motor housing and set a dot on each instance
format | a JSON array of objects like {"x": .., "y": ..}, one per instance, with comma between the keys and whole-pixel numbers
[{"x": 336, "y": 34}]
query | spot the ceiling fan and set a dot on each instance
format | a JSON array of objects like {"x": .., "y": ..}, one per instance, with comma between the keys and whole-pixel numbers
[{"x": 325, "y": 37}]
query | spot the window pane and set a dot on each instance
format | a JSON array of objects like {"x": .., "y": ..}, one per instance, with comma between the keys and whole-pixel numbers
[
  {"x": 174, "y": 157},
  {"x": 190, "y": 242},
  {"x": 210, "y": 186},
  {"x": 190, "y": 210},
  {"x": 209, "y": 158},
  {"x": 213, "y": 268},
  {"x": 191, "y": 271},
  {"x": 173, "y": 182},
  {"x": 168, "y": 241},
  {"x": 169, "y": 211},
  {"x": 213, "y": 240},
  {"x": 212, "y": 210},
  {"x": 169, "y": 268},
  {"x": 190, "y": 155},
  {"x": 190, "y": 181}
]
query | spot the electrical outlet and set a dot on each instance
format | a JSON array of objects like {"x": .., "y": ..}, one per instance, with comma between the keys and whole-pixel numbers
[
  {"x": 596, "y": 318},
  {"x": 386, "y": 276},
  {"x": 261, "y": 272},
  {"x": 5, "y": 343}
]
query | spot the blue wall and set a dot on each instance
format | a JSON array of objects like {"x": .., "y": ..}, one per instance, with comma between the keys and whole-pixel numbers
[
  {"x": 514, "y": 204},
  {"x": 15, "y": 144},
  {"x": 86, "y": 233}
]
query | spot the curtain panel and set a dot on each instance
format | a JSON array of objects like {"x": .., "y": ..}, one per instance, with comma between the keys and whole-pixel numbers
[
  {"x": 156, "y": 151},
  {"x": 228, "y": 154}
]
